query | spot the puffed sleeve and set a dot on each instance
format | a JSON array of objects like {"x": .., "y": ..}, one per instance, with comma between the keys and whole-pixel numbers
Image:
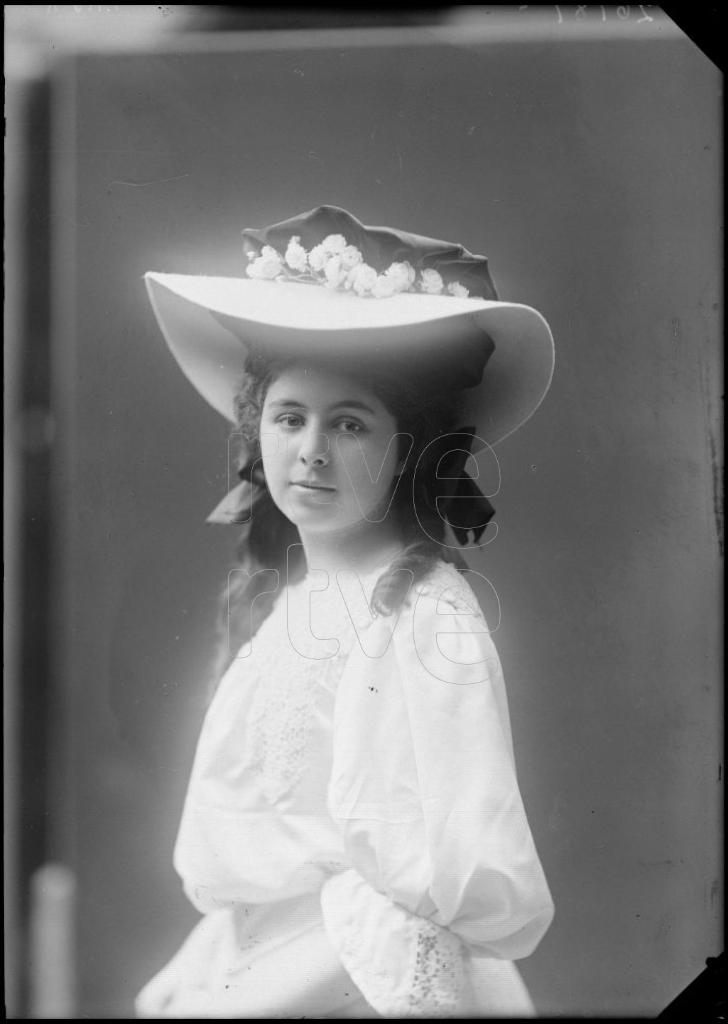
[{"x": 443, "y": 865}]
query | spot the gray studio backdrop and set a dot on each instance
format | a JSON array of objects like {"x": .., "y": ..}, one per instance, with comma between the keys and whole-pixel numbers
[{"x": 587, "y": 169}]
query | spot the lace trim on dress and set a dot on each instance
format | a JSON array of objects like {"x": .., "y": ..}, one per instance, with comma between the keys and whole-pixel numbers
[
  {"x": 437, "y": 975},
  {"x": 287, "y": 699},
  {"x": 405, "y": 965},
  {"x": 280, "y": 722}
]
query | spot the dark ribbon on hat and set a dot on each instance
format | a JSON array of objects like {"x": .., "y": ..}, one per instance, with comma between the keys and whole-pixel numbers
[
  {"x": 379, "y": 246},
  {"x": 450, "y": 490}
]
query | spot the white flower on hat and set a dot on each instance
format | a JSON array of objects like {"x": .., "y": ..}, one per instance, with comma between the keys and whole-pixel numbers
[
  {"x": 334, "y": 244},
  {"x": 431, "y": 282},
  {"x": 402, "y": 275},
  {"x": 266, "y": 266},
  {"x": 317, "y": 258},
  {"x": 337, "y": 265},
  {"x": 383, "y": 287},
  {"x": 296, "y": 257},
  {"x": 335, "y": 275},
  {"x": 362, "y": 278},
  {"x": 351, "y": 257}
]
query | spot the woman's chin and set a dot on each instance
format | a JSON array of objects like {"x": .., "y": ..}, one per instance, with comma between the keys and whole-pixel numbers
[{"x": 313, "y": 511}]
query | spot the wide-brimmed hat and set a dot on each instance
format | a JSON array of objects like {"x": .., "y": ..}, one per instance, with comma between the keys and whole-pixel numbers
[
  {"x": 209, "y": 322},
  {"x": 324, "y": 283}
]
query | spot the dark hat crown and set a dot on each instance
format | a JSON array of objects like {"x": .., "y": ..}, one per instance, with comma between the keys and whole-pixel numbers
[{"x": 379, "y": 246}]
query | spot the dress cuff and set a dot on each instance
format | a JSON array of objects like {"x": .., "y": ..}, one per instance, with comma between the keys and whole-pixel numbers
[{"x": 404, "y": 965}]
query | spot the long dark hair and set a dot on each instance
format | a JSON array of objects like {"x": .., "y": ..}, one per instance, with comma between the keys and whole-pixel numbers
[{"x": 269, "y": 539}]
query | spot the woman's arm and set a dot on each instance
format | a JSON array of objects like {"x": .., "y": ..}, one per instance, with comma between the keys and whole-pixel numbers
[{"x": 443, "y": 864}]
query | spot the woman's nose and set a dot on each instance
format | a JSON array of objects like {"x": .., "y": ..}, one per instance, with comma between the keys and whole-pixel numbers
[{"x": 314, "y": 449}]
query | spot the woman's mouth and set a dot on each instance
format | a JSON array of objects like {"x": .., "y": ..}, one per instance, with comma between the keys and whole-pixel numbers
[{"x": 310, "y": 486}]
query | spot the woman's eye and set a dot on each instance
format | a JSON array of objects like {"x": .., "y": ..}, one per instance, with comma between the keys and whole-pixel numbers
[
  {"x": 289, "y": 419},
  {"x": 350, "y": 426}
]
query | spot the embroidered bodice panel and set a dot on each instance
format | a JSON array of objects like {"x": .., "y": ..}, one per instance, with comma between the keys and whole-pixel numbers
[
  {"x": 266, "y": 743},
  {"x": 297, "y": 657}
]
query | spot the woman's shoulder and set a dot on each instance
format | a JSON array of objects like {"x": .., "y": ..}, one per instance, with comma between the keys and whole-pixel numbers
[{"x": 442, "y": 634}]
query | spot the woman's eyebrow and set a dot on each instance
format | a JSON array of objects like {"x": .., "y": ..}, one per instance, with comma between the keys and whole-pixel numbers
[
  {"x": 353, "y": 403},
  {"x": 287, "y": 403}
]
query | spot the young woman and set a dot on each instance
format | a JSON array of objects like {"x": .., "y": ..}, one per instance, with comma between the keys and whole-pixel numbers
[{"x": 353, "y": 831}]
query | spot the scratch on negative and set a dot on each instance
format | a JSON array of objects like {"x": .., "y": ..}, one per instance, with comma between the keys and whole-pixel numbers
[
  {"x": 714, "y": 461},
  {"x": 717, "y": 490},
  {"x": 143, "y": 184}
]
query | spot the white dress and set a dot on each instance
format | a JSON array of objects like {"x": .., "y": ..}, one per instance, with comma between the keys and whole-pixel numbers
[{"x": 353, "y": 831}]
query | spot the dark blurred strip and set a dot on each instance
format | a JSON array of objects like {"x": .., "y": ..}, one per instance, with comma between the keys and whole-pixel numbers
[
  {"x": 14, "y": 106},
  {"x": 30, "y": 429},
  {"x": 233, "y": 18}
]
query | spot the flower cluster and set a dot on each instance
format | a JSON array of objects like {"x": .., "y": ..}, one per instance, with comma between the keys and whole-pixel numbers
[{"x": 337, "y": 265}]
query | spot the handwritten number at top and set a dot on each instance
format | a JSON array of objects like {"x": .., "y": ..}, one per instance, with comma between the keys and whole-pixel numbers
[{"x": 624, "y": 13}]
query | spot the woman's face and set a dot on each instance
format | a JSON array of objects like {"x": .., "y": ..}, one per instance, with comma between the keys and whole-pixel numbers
[{"x": 330, "y": 450}]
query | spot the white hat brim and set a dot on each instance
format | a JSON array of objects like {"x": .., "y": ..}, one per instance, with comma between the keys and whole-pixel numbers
[{"x": 516, "y": 378}]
